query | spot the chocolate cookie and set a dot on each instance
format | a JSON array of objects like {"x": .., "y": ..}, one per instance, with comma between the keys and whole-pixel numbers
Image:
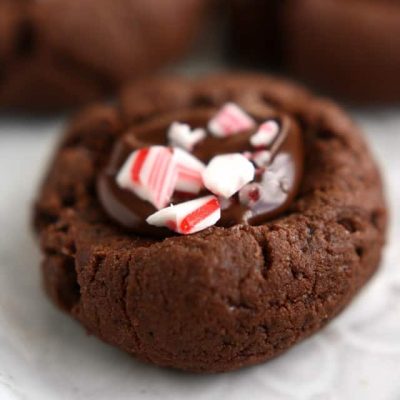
[
  {"x": 60, "y": 53},
  {"x": 347, "y": 47},
  {"x": 262, "y": 271}
]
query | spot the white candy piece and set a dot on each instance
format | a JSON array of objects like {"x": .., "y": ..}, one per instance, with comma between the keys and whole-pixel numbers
[
  {"x": 266, "y": 134},
  {"x": 181, "y": 135},
  {"x": 248, "y": 154},
  {"x": 227, "y": 174},
  {"x": 230, "y": 120},
  {"x": 261, "y": 158},
  {"x": 250, "y": 194},
  {"x": 272, "y": 191},
  {"x": 190, "y": 170},
  {"x": 188, "y": 217},
  {"x": 282, "y": 171}
]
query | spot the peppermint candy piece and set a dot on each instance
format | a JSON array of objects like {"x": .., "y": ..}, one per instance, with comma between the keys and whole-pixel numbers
[
  {"x": 282, "y": 170},
  {"x": 181, "y": 135},
  {"x": 261, "y": 158},
  {"x": 248, "y": 154},
  {"x": 189, "y": 217},
  {"x": 266, "y": 134},
  {"x": 190, "y": 170},
  {"x": 230, "y": 120},
  {"x": 262, "y": 197},
  {"x": 151, "y": 174},
  {"x": 273, "y": 189},
  {"x": 250, "y": 194},
  {"x": 227, "y": 174}
]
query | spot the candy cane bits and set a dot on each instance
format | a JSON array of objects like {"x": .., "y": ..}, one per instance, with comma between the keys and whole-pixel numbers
[
  {"x": 188, "y": 217},
  {"x": 170, "y": 177}
]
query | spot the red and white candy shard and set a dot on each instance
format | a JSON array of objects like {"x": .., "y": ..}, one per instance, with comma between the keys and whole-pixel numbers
[
  {"x": 230, "y": 120},
  {"x": 250, "y": 194},
  {"x": 272, "y": 191},
  {"x": 151, "y": 174},
  {"x": 190, "y": 170},
  {"x": 226, "y": 174},
  {"x": 266, "y": 134},
  {"x": 181, "y": 135},
  {"x": 189, "y": 217}
]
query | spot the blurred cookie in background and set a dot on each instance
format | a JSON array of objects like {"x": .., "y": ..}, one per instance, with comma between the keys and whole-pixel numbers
[
  {"x": 56, "y": 54},
  {"x": 350, "y": 48}
]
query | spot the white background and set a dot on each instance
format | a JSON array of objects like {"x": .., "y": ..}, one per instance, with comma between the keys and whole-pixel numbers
[{"x": 46, "y": 355}]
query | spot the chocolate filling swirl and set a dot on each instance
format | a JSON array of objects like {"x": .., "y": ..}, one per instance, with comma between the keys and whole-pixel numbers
[{"x": 270, "y": 194}]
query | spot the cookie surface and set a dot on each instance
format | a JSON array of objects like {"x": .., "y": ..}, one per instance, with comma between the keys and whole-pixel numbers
[
  {"x": 349, "y": 48},
  {"x": 57, "y": 54},
  {"x": 222, "y": 298}
]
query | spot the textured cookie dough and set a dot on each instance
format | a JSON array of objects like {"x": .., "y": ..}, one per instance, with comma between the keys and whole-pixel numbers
[
  {"x": 223, "y": 298},
  {"x": 60, "y": 53}
]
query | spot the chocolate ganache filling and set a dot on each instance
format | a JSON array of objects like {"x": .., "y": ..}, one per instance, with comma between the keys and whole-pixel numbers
[{"x": 276, "y": 181}]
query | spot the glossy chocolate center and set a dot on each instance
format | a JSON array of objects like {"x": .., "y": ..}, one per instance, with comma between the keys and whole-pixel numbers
[{"x": 270, "y": 194}]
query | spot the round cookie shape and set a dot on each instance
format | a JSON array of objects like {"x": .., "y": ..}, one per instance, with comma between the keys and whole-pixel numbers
[
  {"x": 56, "y": 54},
  {"x": 225, "y": 297},
  {"x": 348, "y": 48}
]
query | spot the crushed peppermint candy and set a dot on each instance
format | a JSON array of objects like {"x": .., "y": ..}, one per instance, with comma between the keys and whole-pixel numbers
[
  {"x": 181, "y": 135},
  {"x": 227, "y": 174},
  {"x": 248, "y": 154},
  {"x": 190, "y": 171},
  {"x": 230, "y": 120},
  {"x": 250, "y": 194},
  {"x": 266, "y": 134},
  {"x": 151, "y": 174},
  {"x": 261, "y": 158},
  {"x": 281, "y": 171},
  {"x": 156, "y": 172},
  {"x": 273, "y": 187},
  {"x": 188, "y": 217}
]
